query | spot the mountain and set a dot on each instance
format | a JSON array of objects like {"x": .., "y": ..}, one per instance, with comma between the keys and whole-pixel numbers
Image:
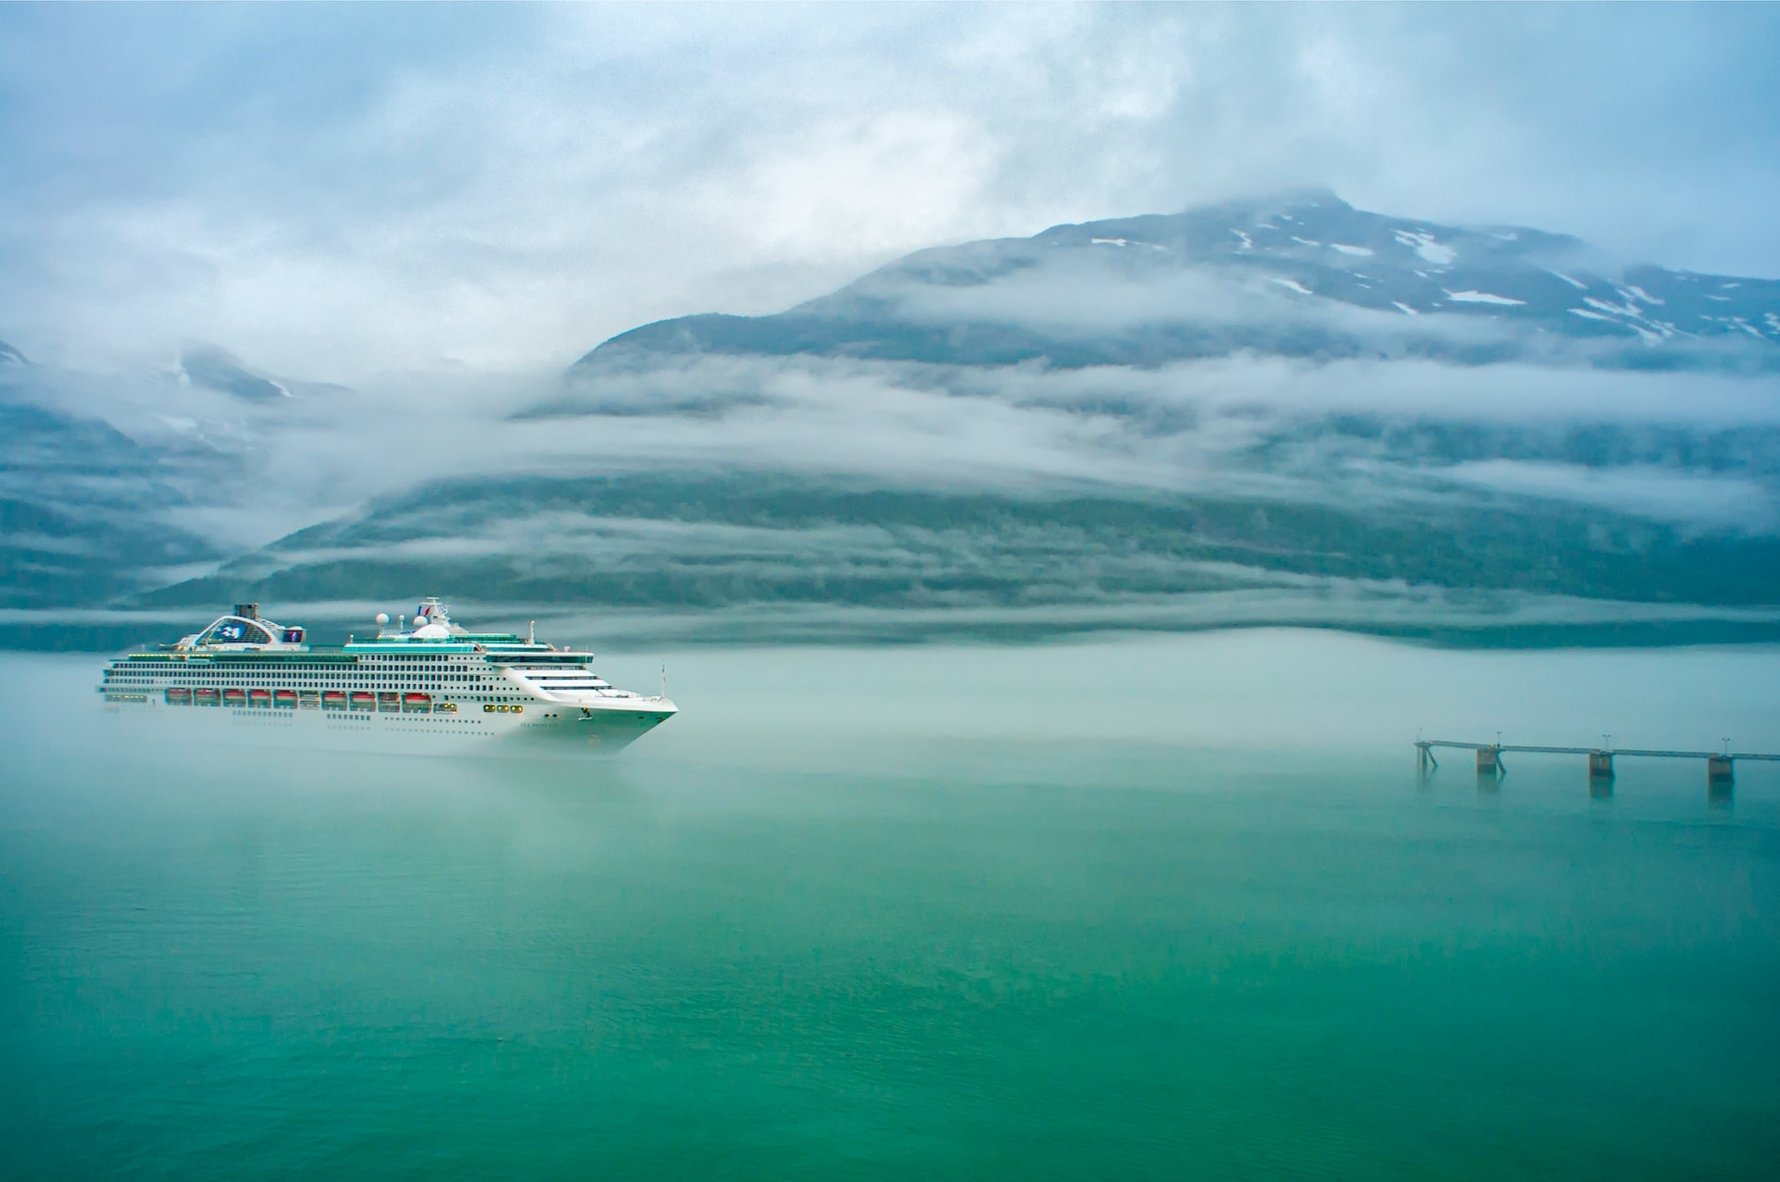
[
  {"x": 102, "y": 477},
  {"x": 212, "y": 368},
  {"x": 218, "y": 369},
  {"x": 750, "y": 557},
  {"x": 84, "y": 513},
  {"x": 1284, "y": 411},
  {"x": 1302, "y": 275}
]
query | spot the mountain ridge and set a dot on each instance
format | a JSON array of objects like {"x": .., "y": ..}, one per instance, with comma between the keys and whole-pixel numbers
[{"x": 1321, "y": 258}]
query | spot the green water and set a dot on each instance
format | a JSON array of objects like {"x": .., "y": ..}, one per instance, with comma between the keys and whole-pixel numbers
[{"x": 829, "y": 925}]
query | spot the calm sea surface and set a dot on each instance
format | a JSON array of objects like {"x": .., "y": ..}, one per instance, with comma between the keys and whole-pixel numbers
[{"x": 1152, "y": 908}]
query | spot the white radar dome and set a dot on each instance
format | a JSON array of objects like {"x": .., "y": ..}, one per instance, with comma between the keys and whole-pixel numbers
[{"x": 382, "y": 618}]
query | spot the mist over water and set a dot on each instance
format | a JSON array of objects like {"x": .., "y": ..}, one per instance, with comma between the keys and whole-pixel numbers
[{"x": 1139, "y": 906}]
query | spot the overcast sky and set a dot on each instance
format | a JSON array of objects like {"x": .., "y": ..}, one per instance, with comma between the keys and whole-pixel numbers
[{"x": 336, "y": 192}]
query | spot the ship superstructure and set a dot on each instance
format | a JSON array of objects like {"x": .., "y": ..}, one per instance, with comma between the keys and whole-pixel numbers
[{"x": 428, "y": 678}]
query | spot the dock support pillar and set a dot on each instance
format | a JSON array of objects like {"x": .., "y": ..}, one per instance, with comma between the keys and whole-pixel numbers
[
  {"x": 1719, "y": 769},
  {"x": 1489, "y": 762},
  {"x": 1600, "y": 765}
]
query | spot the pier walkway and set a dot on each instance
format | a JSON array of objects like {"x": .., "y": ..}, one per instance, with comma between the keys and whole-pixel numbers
[{"x": 1720, "y": 765}]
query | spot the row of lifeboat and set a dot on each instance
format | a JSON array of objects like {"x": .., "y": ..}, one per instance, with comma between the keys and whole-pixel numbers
[{"x": 363, "y": 701}]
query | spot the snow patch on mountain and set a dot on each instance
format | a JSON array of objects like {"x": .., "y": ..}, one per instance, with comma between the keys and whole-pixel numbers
[
  {"x": 1481, "y": 297},
  {"x": 1625, "y": 309},
  {"x": 1427, "y": 246},
  {"x": 1124, "y": 242}
]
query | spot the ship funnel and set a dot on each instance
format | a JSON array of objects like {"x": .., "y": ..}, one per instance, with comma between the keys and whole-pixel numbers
[{"x": 248, "y": 611}]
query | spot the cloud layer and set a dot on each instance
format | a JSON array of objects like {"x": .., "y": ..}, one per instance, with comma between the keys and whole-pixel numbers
[{"x": 367, "y": 190}]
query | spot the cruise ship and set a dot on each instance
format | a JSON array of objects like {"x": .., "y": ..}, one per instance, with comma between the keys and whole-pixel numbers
[{"x": 430, "y": 681}]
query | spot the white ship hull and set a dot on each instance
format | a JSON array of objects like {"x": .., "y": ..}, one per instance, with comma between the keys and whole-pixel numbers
[
  {"x": 540, "y": 730},
  {"x": 437, "y": 688}
]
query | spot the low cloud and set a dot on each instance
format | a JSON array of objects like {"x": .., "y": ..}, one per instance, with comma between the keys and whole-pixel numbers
[
  {"x": 1701, "y": 450},
  {"x": 1641, "y": 491},
  {"x": 1331, "y": 603}
]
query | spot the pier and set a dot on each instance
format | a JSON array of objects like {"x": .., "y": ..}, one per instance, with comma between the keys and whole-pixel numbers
[{"x": 1720, "y": 765}]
